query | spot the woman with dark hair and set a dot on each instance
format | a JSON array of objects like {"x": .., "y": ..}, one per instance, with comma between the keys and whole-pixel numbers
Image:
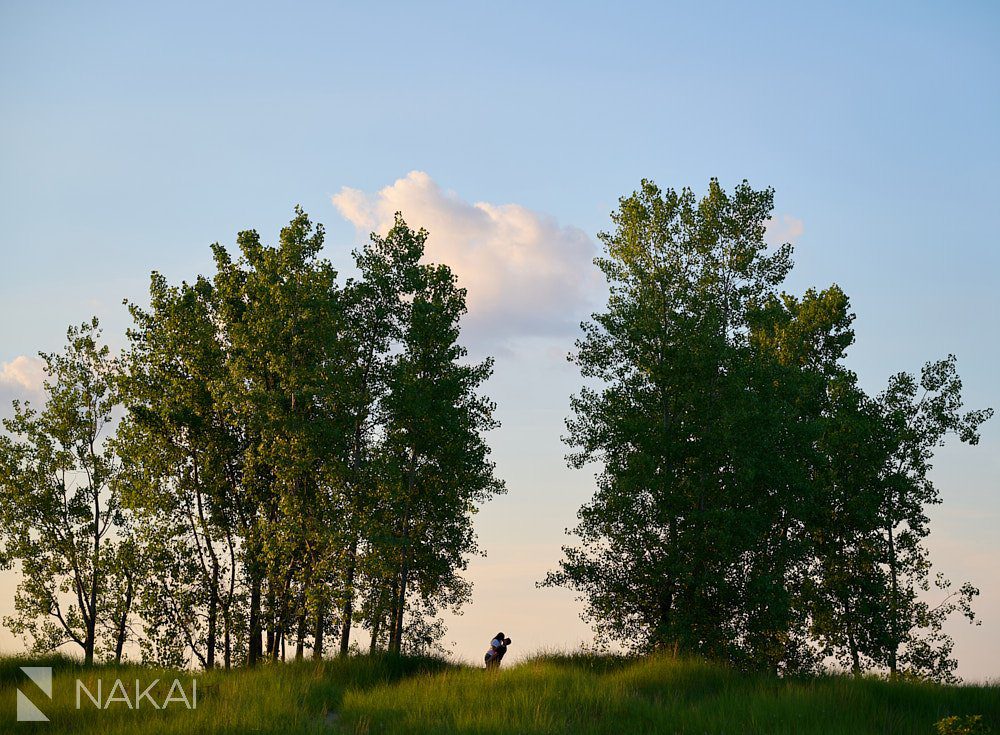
[{"x": 498, "y": 647}]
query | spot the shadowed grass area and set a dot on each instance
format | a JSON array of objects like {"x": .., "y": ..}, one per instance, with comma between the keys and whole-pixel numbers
[
  {"x": 10, "y": 672},
  {"x": 276, "y": 698},
  {"x": 576, "y": 694}
]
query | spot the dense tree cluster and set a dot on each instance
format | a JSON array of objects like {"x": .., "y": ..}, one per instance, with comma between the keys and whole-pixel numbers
[
  {"x": 293, "y": 458},
  {"x": 753, "y": 503}
]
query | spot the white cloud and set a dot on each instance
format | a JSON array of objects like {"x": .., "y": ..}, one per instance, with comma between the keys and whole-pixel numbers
[
  {"x": 525, "y": 274},
  {"x": 23, "y": 373},
  {"x": 20, "y": 378},
  {"x": 785, "y": 228}
]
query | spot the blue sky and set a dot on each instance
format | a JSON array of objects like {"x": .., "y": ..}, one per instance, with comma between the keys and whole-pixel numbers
[{"x": 133, "y": 135}]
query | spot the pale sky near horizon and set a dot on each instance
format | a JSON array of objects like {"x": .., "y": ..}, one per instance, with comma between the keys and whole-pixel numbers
[{"x": 133, "y": 135}]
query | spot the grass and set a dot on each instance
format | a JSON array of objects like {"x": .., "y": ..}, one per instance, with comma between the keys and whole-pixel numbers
[{"x": 549, "y": 694}]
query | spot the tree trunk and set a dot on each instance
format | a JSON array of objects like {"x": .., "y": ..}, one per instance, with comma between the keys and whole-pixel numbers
[
  {"x": 401, "y": 608},
  {"x": 213, "y": 616},
  {"x": 91, "y": 618},
  {"x": 318, "y": 635},
  {"x": 227, "y": 643},
  {"x": 377, "y": 615},
  {"x": 893, "y": 605},
  {"x": 271, "y": 636},
  {"x": 376, "y": 629},
  {"x": 123, "y": 621},
  {"x": 227, "y": 605},
  {"x": 855, "y": 658},
  {"x": 254, "y": 653},
  {"x": 394, "y": 599},
  {"x": 404, "y": 572},
  {"x": 345, "y": 630},
  {"x": 300, "y": 644}
]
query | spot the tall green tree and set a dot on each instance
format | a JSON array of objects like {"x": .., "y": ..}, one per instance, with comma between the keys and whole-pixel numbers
[
  {"x": 847, "y": 578},
  {"x": 182, "y": 474},
  {"x": 280, "y": 317},
  {"x": 753, "y": 504},
  {"x": 296, "y": 458},
  {"x": 375, "y": 306},
  {"x": 60, "y": 504},
  {"x": 802, "y": 343},
  {"x": 436, "y": 458},
  {"x": 875, "y": 605},
  {"x": 918, "y": 415},
  {"x": 694, "y": 540}
]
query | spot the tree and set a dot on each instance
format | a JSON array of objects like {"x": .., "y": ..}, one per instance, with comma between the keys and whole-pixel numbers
[
  {"x": 60, "y": 503},
  {"x": 182, "y": 474},
  {"x": 436, "y": 460},
  {"x": 123, "y": 582},
  {"x": 872, "y": 580},
  {"x": 917, "y": 416},
  {"x": 280, "y": 318},
  {"x": 717, "y": 395},
  {"x": 847, "y": 578},
  {"x": 683, "y": 543},
  {"x": 843, "y": 586},
  {"x": 375, "y": 306},
  {"x": 753, "y": 503}
]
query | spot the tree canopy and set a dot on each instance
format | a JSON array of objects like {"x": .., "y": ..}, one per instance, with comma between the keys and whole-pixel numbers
[
  {"x": 752, "y": 503},
  {"x": 289, "y": 443}
]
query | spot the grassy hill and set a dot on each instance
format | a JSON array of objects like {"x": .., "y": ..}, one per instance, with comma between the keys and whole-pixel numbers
[{"x": 549, "y": 694}]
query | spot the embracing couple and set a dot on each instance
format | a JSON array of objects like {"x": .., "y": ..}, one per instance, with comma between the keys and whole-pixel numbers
[{"x": 498, "y": 647}]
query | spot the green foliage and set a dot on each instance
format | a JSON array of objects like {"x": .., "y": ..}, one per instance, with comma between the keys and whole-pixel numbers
[
  {"x": 181, "y": 460},
  {"x": 288, "y": 445},
  {"x": 434, "y": 447},
  {"x": 278, "y": 313},
  {"x": 60, "y": 509},
  {"x": 292, "y": 443},
  {"x": 875, "y": 604},
  {"x": 918, "y": 415},
  {"x": 300, "y": 456},
  {"x": 688, "y": 542},
  {"x": 753, "y": 504}
]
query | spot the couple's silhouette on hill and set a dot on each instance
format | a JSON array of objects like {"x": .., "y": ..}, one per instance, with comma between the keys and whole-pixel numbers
[{"x": 497, "y": 650}]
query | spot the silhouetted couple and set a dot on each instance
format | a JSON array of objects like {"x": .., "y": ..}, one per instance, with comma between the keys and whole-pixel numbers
[{"x": 498, "y": 647}]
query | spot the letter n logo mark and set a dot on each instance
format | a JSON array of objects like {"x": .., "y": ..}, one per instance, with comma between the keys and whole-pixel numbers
[{"x": 26, "y": 709}]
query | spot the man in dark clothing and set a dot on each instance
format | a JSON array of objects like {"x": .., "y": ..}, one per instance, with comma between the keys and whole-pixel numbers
[{"x": 502, "y": 650}]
